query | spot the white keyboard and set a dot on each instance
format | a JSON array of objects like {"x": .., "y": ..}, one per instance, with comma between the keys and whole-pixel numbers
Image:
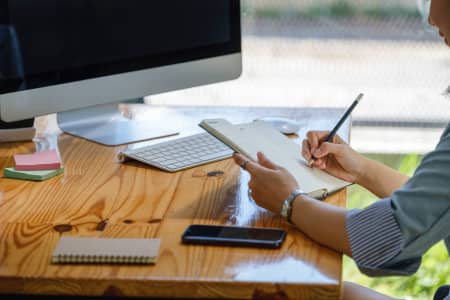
[{"x": 182, "y": 153}]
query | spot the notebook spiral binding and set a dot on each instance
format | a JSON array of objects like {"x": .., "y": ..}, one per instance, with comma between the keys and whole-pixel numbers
[
  {"x": 76, "y": 259},
  {"x": 85, "y": 250}
]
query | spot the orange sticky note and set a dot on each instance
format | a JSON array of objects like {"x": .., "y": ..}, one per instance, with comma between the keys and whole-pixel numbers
[{"x": 46, "y": 160}]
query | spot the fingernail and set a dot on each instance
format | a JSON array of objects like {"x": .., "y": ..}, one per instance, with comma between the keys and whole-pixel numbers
[{"x": 317, "y": 152}]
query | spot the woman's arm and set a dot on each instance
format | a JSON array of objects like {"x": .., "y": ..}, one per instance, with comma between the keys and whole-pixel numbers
[
  {"x": 380, "y": 179},
  {"x": 323, "y": 222},
  {"x": 388, "y": 237}
]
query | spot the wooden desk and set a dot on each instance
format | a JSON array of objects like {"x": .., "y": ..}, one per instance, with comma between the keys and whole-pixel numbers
[{"x": 98, "y": 197}]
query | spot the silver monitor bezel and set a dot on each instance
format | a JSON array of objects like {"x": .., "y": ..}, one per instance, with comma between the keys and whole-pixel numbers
[{"x": 111, "y": 89}]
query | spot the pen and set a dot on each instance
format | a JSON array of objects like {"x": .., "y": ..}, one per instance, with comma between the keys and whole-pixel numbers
[{"x": 339, "y": 124}]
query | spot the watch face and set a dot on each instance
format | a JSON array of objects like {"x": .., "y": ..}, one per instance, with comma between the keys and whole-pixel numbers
[
  {"x": 284, "y": 209},
  {"x": 287, "y": 204}
]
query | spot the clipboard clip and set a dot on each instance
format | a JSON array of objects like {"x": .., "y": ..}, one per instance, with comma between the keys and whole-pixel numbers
[{"x": 319, "y": 194}]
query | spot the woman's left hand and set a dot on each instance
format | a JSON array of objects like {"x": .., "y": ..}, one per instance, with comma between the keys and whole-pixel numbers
[{"x": 270, "y": 184}]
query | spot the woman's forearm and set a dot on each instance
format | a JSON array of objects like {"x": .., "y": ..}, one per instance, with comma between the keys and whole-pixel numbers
[
  {"x": 380, "y": 179},
  {"x": 323, "y": 222}
]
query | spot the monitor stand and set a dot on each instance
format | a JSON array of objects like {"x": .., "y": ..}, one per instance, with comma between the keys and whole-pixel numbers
[{"x": 117, "y": 124}]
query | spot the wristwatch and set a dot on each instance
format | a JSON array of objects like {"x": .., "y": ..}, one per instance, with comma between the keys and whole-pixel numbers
[{"x": 286, "y": 209}]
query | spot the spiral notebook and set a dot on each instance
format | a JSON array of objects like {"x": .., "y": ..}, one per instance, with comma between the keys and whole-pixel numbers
[
  {"x": 79, "y": 250},
  {"x": 250, "y": 138}
]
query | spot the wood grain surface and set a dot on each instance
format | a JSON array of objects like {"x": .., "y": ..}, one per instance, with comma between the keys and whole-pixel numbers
[{"x": 99, "y": 197}]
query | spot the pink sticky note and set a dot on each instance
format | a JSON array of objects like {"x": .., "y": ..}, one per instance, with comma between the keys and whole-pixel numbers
[{"x": 46, "y": 160}]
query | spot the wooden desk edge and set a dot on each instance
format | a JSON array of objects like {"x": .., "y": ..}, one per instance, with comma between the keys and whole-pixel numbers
[{"x": 142, "y": 288}]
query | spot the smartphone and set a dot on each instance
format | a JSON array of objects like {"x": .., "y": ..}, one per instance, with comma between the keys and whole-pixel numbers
[{"x": 234, "y": 236}]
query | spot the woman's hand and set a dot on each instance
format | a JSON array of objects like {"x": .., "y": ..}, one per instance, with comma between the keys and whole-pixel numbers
[
  {"x": 270, "y": 184},
  {"x": 336, "y": 158}
]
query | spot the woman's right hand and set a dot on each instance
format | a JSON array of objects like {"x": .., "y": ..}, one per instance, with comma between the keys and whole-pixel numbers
[{"x": 336, "y": 158}]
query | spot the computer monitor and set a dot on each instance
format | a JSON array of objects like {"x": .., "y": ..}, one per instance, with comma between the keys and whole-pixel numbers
[{"x": 59, "y": 56}]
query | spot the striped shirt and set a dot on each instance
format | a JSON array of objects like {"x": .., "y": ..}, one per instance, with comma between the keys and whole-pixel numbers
[{"x": 390, "y": 236}]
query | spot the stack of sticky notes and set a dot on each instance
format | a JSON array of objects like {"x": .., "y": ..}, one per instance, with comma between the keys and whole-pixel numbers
[{"x": 38, "y": 166}]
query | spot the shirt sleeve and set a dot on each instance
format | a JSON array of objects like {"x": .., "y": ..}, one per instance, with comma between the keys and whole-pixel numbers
[
  {"x": 447, "y": 244},
  {"x": 390, "y": 236},
  {"x": 375, "y": 239}
]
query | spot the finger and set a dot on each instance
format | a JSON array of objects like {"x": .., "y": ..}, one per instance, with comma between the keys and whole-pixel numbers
[
  {"x": 329, "y": 148},
  {"x": 338, "y": 140},
  {"x": 315, "y": 137},
  {"x": 250, "y": 166},
  {"x": 316, "y": 163},
  {"x": 313, "y": 162},
  {"x": 265, "y": 162},
  {"x": 306, "y": 150},
  {"x": 239, "y": 159}
]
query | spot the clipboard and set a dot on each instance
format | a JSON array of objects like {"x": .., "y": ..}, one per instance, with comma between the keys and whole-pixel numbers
[{"x": 260, "y": 136}]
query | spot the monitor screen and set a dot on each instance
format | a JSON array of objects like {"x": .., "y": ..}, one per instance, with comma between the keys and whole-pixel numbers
[
  {"x": 71, "y": 56},
  {"x": 50, "y": 42}
]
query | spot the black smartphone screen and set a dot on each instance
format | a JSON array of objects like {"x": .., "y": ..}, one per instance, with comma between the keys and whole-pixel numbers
[{"x": 234, "y": 236}]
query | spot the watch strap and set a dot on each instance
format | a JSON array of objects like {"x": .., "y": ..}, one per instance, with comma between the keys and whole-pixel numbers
[{"x": 286, "y": 210}]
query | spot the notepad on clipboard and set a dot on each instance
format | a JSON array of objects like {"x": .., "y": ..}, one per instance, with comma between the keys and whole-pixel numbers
[
  {"x": 85, "y": 250},
  {"x": 259, "y": 136}
]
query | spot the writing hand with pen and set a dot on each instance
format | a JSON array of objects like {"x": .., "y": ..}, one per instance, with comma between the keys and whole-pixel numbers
[
  {"x": 328, "y": 152},
  {"x": 335, "y": 157}
]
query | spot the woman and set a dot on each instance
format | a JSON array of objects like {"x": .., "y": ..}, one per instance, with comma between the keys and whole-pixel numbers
[{"x": 390, "y": 236}]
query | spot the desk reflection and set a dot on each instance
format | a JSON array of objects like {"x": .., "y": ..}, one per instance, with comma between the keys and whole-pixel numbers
[{"x": 287, "y": 270}]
